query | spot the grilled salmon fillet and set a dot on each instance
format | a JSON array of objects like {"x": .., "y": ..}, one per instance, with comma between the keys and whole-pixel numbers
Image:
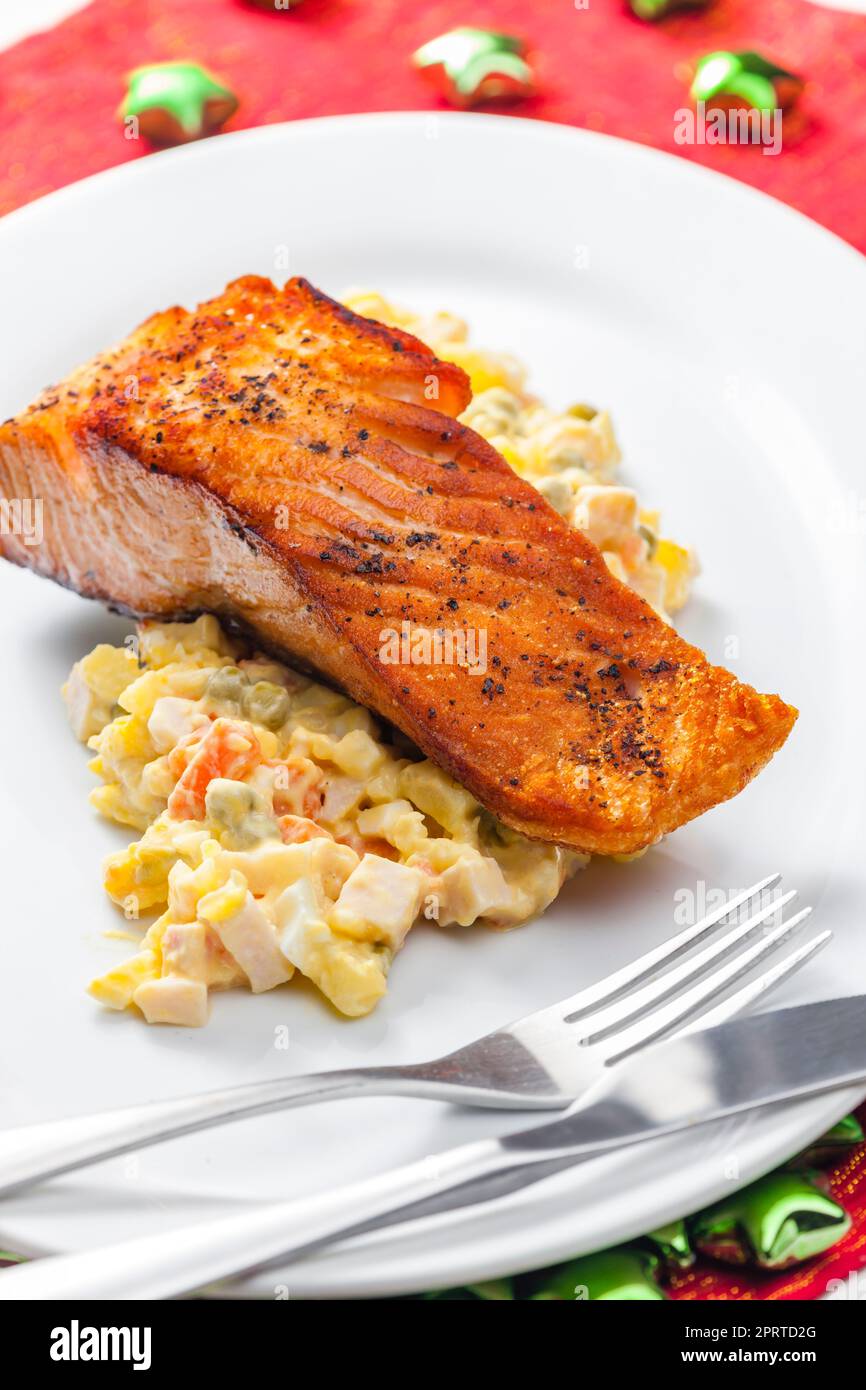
[{"x": 277, "y": 460}]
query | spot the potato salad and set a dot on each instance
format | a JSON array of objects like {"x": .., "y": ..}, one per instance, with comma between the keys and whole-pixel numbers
[{"x": 280, "y": 829}]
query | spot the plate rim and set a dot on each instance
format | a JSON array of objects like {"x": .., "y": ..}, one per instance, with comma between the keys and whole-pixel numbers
[{"x": 197, "y": 150}]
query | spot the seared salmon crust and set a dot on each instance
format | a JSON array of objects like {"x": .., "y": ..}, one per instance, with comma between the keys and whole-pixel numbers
[{"x": 275, "y": 459}]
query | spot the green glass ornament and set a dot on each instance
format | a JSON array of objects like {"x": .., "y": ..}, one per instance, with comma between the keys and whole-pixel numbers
[
  {"x": 832, "y": 1146},
  {"x": 651, "y": 10},
  {"x": 623, "y": 1274},
  {"x": 671, "y": 1243},
  {"x": 776, "y": 1222},
  {"x": 744, "y": 79},
  {"x": 471, "y": 66},
  {"x": 173, "y": 103}
]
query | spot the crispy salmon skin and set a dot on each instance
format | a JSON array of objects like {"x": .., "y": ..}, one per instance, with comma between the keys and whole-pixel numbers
[{"x": 275, "y": 459}]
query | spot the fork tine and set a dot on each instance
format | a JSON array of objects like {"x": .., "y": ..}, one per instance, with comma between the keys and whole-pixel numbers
[
  {"x": 756, "y": 989},
  {"x": 692, "y": 1002},
  {"x": 740, "y": 1001},
  {"x": 630, "y": 1009},
  {"x": 613, "y": 986}
]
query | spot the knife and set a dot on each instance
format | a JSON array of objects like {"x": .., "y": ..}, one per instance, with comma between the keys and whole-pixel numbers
[{"x": 695, "y": 1079}]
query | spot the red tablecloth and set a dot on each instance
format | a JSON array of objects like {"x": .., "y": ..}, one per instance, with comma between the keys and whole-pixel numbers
[
  {"x": 597, "y": 67},
  {"x": 840, "y": 1270}
]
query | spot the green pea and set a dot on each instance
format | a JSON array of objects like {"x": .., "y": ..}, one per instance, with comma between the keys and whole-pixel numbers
[
  {"x": 240, "y": 810},
  {"x": 225, "y": 690},
  {"x": 268, "y": 704},
  {"x": 228, "y": 802}
]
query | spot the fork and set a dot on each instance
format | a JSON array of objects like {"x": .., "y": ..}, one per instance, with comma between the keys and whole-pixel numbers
[{"x": 545, "y": 1061}]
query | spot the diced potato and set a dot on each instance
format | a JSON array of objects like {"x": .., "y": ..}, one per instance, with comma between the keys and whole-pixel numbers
[
  {"x": 157, "y": 781},
  {"x": 271, "y": 867},
  {"x": 188, "y": 682},
  {"x": 473, "y": 887},
  {"x": 557, "y": 441},
  {"x": 246, "y": 933},
  {"x": 124, "y": 749},
  {"x": 355, "y": 717},
  {"x": 351, "y": 974},
  {"x": 224, "y": 902},
  {"x": 93, "y": 687},
  {"x": 187, "y": 885},
  {"x": 113, "y": 802},
  {"x": 125, "y": 737},
  {"x": 162, "y": 643},
  {"x": 436, "y": 855},
  {"x": 356, "y": 753},
  {"x": 117, "y": 987},
  {"x": 342, "y": 796},
  {"x": 435, "y": 328},
  {"x": 385, "y": 785},
  {"x": 142, "y": 869},
  {"x": 184, "y": 949},
  {"x": 139, "y": 872},
  {"x": 298, "y": 907},
  {"x": 379, "y": 901},
  {"x": 679, "y": 567},
  {"x": 398, "y": 823},
  {"x": 605, "y": 514},
  {"x": 439, "y": 796},
  {"x": 171, "y": 719},
  {"x": 173, "y": 999},
  {"x": 534, "y": 873}
]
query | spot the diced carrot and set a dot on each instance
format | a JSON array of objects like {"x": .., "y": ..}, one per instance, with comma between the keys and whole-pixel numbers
[
  {"x": 367, "y": 845},
  {"x": 296, "y": 787},
  {"x": 296, "y": 829},
  {"x": 181, "y": 754},
  {"x": 229, "y": 749}
]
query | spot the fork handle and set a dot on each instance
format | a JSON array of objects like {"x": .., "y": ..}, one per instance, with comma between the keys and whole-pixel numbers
[{"x": 34, "y": 1152}]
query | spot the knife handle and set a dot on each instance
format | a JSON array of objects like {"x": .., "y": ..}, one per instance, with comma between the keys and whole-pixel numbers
[{"x": 192, "y": 1257}]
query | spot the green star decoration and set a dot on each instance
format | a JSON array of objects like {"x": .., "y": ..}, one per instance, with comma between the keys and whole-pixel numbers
[
  {"x": 176, "y": 102},
  {"x": 470, "y": 66},
  {"x": 774, "y": 1223},
  {"x": 623, "y": 1274},
  {"x": 651, "y": 10},
  {"x": 831, "y": 1147},
  {"x": 671, "y": 1243},
  {"x": 748, "y": 78}
]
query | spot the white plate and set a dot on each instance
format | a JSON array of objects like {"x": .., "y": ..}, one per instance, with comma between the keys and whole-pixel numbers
[{"x": 725, "y": 332}]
